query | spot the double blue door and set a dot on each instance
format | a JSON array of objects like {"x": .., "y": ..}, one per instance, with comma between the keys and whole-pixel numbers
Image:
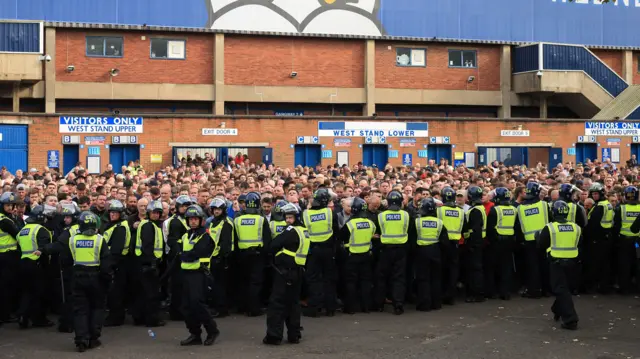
[
  {"x": 375, "y": 155},
  {"x": 438, "y": 152},
  {"x": 586, "y": 151},
  {"x": 120, "y": 155},
  {"x": 14, "y": 147},
  {"x": 308, "y": 155}
]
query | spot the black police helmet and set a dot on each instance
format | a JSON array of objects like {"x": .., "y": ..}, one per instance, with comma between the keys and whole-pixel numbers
[
  {"x": 252, "y": 203},
  {"x": 532, "y": 190},
  {"x": 321, "y": 198},
  {"x": 36, "y": 215},
  {"x": 358, "y": 207},
  {"x": 428, "y": 207},
  {"x": 88, "y": 223},
  {"x": 183, "y": 200},
  {"x": 596, "y": 188},
  {"x": 195, "y": 211},
  {"x": 560, "y": 210},
  {"x": 631, "y": 194},
  {"x": 566, "y": 192},
  {"x": 503, "y": 196},
  {"x": 277, "y": 214},
  {"x": 8, "y": 198},
  {"x": 474, "y": 194},
  {"x": 218, "y": 203},
  {"x": 155, "y": 206},
  {"x": 115, "y": 206},
  {"x": 290, "y": 208},
  {"x": 394, "y": 200},
  {"x": 448, "y": 195}
]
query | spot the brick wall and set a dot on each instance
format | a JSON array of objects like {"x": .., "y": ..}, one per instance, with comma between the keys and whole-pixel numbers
[
  {"x": 269, "y": 61},
  {"x": 437, "y": 74},
  {"x": 612, "y": 58},
  {"x": 282, "y": 133},
  {"x": 135, "y": 66},
  {"x": 636, "y": 73}
]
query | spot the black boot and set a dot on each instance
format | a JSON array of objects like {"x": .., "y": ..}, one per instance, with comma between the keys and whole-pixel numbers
[
  {"x": 43, "y": 323},
  {"x": 398, "y": 310},
  {"x": 294, "y": 339},
  {"x": 94, "y": 343},
  {"x": 271, "y": 341},
  {"x": 211, "y": 338},
  {"x": 23, "y": 322},
  {"x": 81, "y": 347},
  {"x": 191, "y": 340}
]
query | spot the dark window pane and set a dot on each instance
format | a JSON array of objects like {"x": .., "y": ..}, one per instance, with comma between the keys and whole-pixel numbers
[
  {"x": 113, "y": 46},
  {"x": 159, "y": 48},
  {"x": 469, "y": 58},
  {"x": 455, "y": 58},
  {"x": 95, "y": 46},
  {"x": 403, "y": 56}
]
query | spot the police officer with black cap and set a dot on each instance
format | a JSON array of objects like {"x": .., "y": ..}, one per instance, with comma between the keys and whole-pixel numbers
[
  {"x": 322, "y": 223},
  {"x": 598, "y": 234},
  {"x": 395, "y": 225},
  {"x": 177, "y": 228},
  {"x": 278, "y": 224},
  {"x": 197, "y": 248},
  {"x": 454, "y": 221},
  {"x": 501, "y": 244},
  {"x": 91, "y": 278},
  {"x": 576, "y": 212},
  {"x": 625, "y": 239},
  {"x": 560, "y": 238},
  {"x": 291, "y": 248},
  {"x": 474, "y": 242},
  {"x": 221, "y": 231},
  {"x": 9, "y": 256},
  {"x": 118, "y": 238}
]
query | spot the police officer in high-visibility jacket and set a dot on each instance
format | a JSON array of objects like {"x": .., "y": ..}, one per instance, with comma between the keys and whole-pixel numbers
[
  {"x": 118, "y": 238},
  {"x": 533, "y": 215},
  {"x": 598, "y": 234},
  {"x": 395, "y": 225},
  {"x": 454, "y": 220},
  {"x": 221, "y": 231},
  {"x": 278, "y": 224},
  {"x": 430, "y": 234},
  {"x": 322, "y": 224},
  {"x": 560, "y": 238},
  {"x": 357, "y": 233},
  {"x": 32, "y": 240},
  {"x": 625, "y": 239},
  {"x": 501, "y": 221},
  {"x": 9, "y": 256},
  {"x": 197, "y": 249},
  {"x": 177, "y": 227},
  {"x": 149, "y": 250},
  {"x": 474, "y": 242},
  {"x": 252, "y": 236},
  {"x": 91, "y": 277},
  {"x": 291, "y": 248},
  {"x": 577, "y": 214}
]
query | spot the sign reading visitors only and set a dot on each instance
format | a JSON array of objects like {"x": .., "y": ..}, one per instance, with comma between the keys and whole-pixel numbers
[
  {"x": 612, "y": 128},
  {"x": 92, "y": 124},
  {"x": 373, "y": 129}
]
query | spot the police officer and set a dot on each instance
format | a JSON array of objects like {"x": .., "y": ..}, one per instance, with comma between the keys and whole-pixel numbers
[
  {"x": 501, "y": 237},
  {"x": 561, "y": 238},
  {"x": 533, "y": 215},
  {"x": 278, "y": 224},
  {"x": 395, "y": 225},
  {"x": 221, "y": 231},
  {"x": 430, "y": 233},
  {"x": 600, "y": 242},
  {"x": 357, "y": 233},
  {"x": 625, "y": 214},
  {"x": 197, "y": 248},
  {"x": 454, "y": 221},
  {"x": 291, "y": 248},
  {"x": 118, "y": 238},
  {"x": 9, "y": 256},
  {"x": 32, "y": 240},
  {"x": 177, "y": 227},
  {"x": 474, "y": 242},
  {"x": 91, "y": 275},
  {"x": 321, "y": 272},
  {"x": 149, "y": 250},
  {"x": 252, "y": 235},
  {"x": 576, "y": 212}
]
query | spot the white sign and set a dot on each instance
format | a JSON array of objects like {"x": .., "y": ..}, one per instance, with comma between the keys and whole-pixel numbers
[
  {"x": 373, "y": 129},
  {"x": 612, "y": 128},
  {"x": 219, "y": 131},
  {"x": 93, "y": 124},
  {"x": 514, "y": 133}
]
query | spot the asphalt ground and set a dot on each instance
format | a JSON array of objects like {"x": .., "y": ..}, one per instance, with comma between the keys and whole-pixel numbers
[{"x": 520, "y": 328}]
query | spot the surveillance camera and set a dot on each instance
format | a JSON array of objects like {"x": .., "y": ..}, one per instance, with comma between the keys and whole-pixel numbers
[
  {"x": 114, "y": 72},
  {"x": 539, "y": 74},
  {"x": 116, "y": 112},
  {"x": 293, "y": 74},
  {"x": 70, "y": 68},
  {"x": 471, "y": 78},
  {"x": 46, "y": 58}
]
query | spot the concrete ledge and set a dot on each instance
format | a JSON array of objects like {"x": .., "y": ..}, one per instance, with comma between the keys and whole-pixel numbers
[
  {"x": 218, "y": 144},
  {"x": 510, "y": 144},
  {"x": 16, "y": 121},
  {"x": 240, "y": 93},
  {"x": 20, "y": 67},
  {"x": 133, "y": 91},
  {"x": 438, "y": 97}
]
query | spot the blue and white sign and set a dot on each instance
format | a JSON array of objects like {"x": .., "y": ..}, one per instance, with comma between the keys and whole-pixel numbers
[
  {"x": 586, "y": 139},
  {"x": 327, "y": 154},
  {"x": 613, "y": 141},
  {"x": 612, "y": 128},
  {"x": 393, "y": 154},
  {"x": 407, "y": 159},
  {"x": 93, "y": 124},
  {"x": 53, "y": 159},
  {"x": 606, "y": 154},
  {"x": 571, "y": 151},
  {"x": 314, "y": 139},
  {"x": 423, "y": 153},
  {"x": 373, "y": 129},
  {"x": 94, "y": 151},
  {"x": 445, "y": 140}
]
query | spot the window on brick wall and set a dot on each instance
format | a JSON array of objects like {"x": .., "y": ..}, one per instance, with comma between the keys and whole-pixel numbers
[
  {"x": 463, "y": 58},
  {"x": 104, "y": 46},
  {"x": 168, "y": 49},
  {"x": 411, "y": 57}
]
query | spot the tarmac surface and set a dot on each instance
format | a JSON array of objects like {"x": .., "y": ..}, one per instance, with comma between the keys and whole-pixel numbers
[{"x": 520, "y": 328}]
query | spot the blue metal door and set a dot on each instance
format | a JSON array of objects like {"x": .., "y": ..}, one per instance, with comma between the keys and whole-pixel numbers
[
  {"x": 510, "y": 156},
  {"x": 375, "y": 155},
  {"x": 267, "y": 156},
  {"x": 555, "y": 157},
  {"x": 307, "y": 155},
  {"x": 437, "y": 152},
  {"x": 635, "y": 150},
  {"x": 14, "y": 147},
  {"x": 70, "y": 156},
  {"x": 586, "y": 151},
  {"x": 223, "y": 155},
  {"x": 120, "y": 155}
]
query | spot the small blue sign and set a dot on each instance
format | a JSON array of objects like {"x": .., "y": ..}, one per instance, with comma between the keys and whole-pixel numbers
[
  {"x": 300, "y": 139},
  {"x": 327, "y": 154},
  {"x": 315, "y": 139},
  {"x": 393, "y": 154},
  {"x": 368, "y": 140},
  {"x": 94, "y": 151},
  {"x": 571, "y": 151},
  {"x": 53, "y": 159},
  {"x": 606, "y": 153},
  {"x": 407, "y": 159},
  {"x": 423, "y": 153}
]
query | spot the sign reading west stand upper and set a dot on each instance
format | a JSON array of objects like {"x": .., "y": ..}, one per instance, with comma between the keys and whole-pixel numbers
[
  {"x": 612, "y": 128},
  {"x": 97, "y": 124}
]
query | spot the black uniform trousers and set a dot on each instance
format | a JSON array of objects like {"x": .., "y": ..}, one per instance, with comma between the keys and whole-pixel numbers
[
  {"x": 392, "y": 268},
  {"x": 321, "y": 274},
  {"x": 626, "y": 257},
  {"x": 175, "y": 288},
  {"x": 284, "y": 304},
  {"x": 65, "y": 321},
  {"x": 428, "y": 274},
  {"x": 599, "y": 264},
  {"x": 32, "y": 288},
  {"x": 358, "y": 278},
  {"x": 532, "y": 260},
  {"x": 88, "y": 304},
  {"x": 498, "y": 266},
  {"x": 219, "y": 290},
  {"x": 560, "y": 273},
  {"x": 475, "y": 275},
  {"x": 194, "y": 303},
  {"x": 250, "y": 279},
  {"x": 147, "y": 302},
  {"x": 118, "y": 296},
  {"x": 8, "y": 283},
  {"x": 450, "y": 270}
]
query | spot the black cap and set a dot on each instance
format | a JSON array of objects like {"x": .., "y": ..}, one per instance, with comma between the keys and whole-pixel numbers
[{"x": 127, "y": 183}]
